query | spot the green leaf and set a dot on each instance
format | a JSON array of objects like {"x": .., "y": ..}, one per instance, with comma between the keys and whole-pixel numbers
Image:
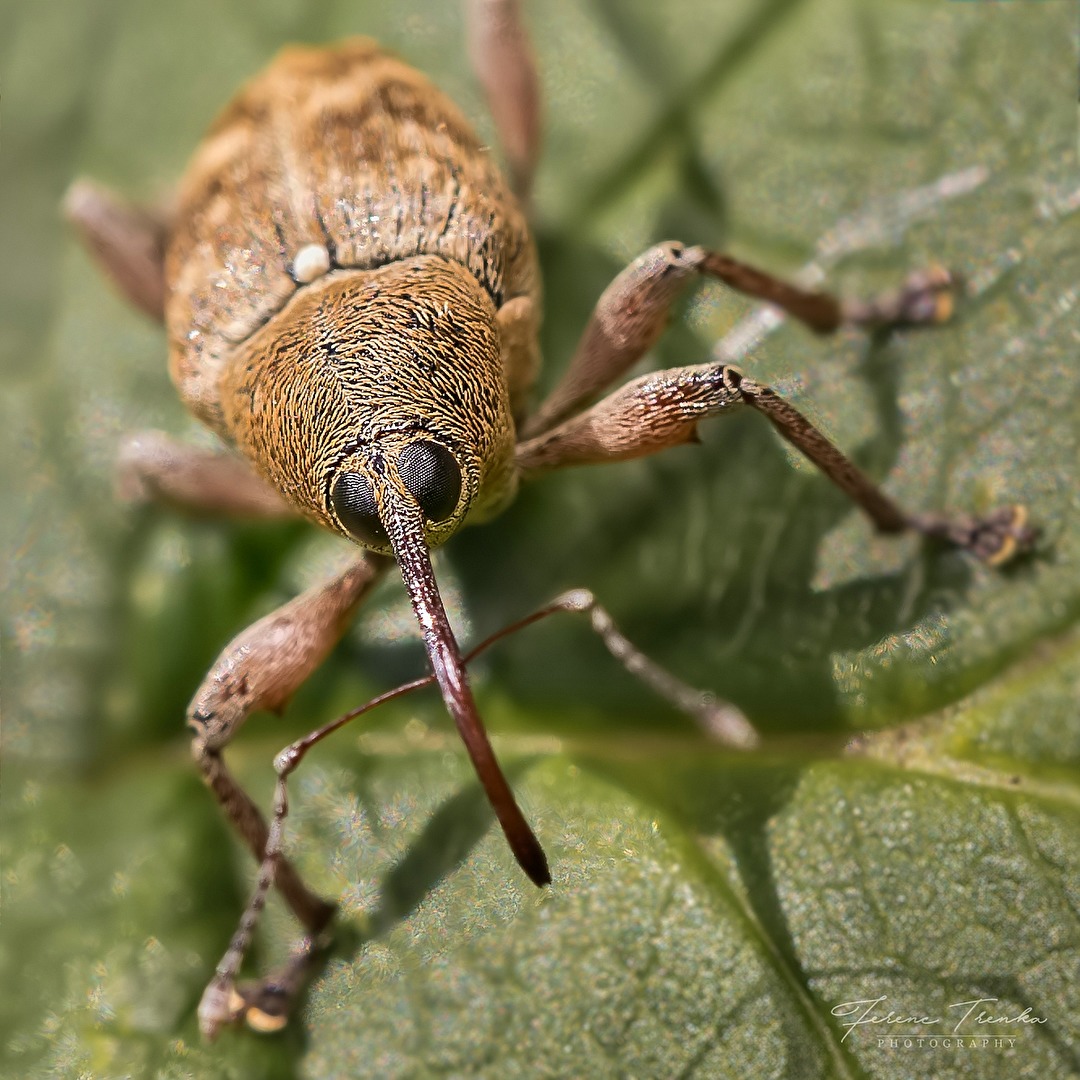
[{"x": 910, "y": 830}]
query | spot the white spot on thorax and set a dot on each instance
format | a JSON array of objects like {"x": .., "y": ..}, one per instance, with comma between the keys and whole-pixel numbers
[{"x": 310, "y": 262}]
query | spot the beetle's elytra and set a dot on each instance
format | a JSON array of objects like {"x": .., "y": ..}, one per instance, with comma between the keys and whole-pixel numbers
[
  {"x": 351, "y": 154},
  {"x": 352, "y": 302}
]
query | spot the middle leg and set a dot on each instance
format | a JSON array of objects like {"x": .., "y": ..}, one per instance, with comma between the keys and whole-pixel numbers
[
  {"x": 633, "y": 311},
  {"x": 154, "y": 467}
]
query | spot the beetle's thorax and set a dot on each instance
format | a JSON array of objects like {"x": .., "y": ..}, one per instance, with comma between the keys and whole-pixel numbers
[{"x": 363, "y": 363}]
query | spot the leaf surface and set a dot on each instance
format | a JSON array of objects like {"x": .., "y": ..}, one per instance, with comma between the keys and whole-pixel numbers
[{"x": 911, "y": 829}]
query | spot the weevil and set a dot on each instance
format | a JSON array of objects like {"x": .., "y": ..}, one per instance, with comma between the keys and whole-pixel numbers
[{"x": 352, "y": 301}]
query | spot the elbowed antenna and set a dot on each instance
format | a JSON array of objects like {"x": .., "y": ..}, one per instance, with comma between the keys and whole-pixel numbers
[{"x": 404, "y": 525}]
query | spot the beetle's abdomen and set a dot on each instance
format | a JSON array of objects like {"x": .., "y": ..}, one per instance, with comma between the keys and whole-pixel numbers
[{"x": 344, "y": 150}]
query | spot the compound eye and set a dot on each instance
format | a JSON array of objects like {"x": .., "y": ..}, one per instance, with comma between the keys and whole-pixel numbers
[
  {"x": 432, "y": 477},
  {"x": 354, "y": 503}
]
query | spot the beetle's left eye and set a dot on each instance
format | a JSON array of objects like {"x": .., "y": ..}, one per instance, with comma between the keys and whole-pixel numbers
[
  {"x": 432, "y": 477},
  {"x": 354, "y": 503}
]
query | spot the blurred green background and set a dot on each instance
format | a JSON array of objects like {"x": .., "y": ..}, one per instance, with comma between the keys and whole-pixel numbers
[{"x": 708, "y": 910}]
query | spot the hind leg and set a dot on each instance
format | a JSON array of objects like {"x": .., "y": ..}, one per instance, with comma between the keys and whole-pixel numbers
[
  {"x": 127, "y": 241},
  {"x": 504, "y": 64}
]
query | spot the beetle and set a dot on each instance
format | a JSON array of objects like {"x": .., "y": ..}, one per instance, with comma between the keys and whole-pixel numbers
[{"x": 352, "y": 301}]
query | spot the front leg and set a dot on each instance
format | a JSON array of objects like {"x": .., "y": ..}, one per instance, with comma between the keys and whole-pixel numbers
[
  {"x": 262, "y": 668},
  {"x": 663, "y": 409}
]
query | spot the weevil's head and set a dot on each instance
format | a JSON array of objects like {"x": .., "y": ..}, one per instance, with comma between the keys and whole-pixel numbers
[
  {"x": 375, "y": 402},
  {"x": 378, "y": 397}
]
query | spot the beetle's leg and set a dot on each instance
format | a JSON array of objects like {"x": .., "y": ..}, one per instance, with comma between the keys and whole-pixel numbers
[
  {"x": 128, "y": 242},
  {"x": 261, "y": 668},
  {"x": 266, "y": 1003},
  {"x": 663, "y": 409},
  {"x": 503, "y": 60},
  {"x": 152, "y": 467},
  {"x": 632, "y": 313}
]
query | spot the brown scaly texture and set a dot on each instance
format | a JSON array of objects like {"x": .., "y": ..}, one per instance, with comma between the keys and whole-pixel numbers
[
  {"x": 358, "y": 365},
  {"x": 348, "y": 148}
]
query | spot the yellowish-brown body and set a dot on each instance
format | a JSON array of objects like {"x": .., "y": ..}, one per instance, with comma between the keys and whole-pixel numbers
[
  {"x": 352, "y": 301},
  {"x": 424, "y": 319}
]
